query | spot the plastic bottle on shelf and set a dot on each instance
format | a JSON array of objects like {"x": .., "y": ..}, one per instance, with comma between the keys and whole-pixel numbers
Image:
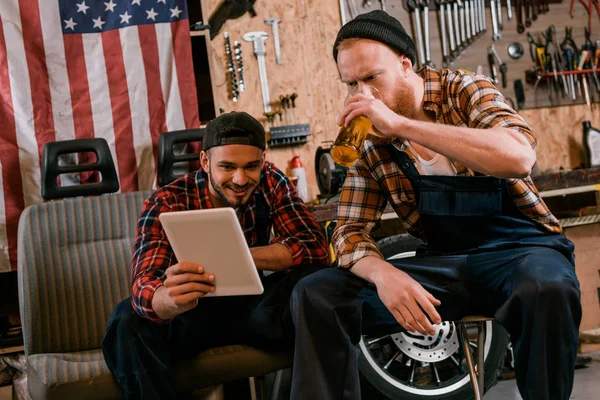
[
  {"x": 591, "y": 142},
  {"x": 299, "y": 172}
]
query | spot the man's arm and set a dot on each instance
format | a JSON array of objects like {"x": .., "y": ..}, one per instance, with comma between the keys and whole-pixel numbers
[
  {"x": 360, "y": 208},
  {"x": 495, "y": 141},
  {"x": 298, "y": 237}
]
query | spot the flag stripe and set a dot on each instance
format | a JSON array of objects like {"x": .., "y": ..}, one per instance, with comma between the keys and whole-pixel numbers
[
  {"x": 12, "y": 204},
  {"x": 20, "y": 93},
  {"x": 62, "y": 108},
  {"x": 83, "y": 123},
  {"x": 156, "y": 103},
  {"x": 99, "y": 94},
  {"x": 169, "y": 81},
  {"x": 138, "y": 99},
  {"x": 38, "y": 74},
  {"x": 182, "y": 51},
  {"x": 121, "y": 113}
]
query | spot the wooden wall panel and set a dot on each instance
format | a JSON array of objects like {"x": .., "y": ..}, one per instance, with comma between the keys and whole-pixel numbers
[{"x": 307, "y": 32}]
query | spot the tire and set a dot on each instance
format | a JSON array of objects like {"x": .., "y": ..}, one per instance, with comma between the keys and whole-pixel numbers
[{"x": 401, "y": 351}]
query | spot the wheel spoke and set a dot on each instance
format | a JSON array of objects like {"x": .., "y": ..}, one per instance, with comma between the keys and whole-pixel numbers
[
  {"x": 387, "y": 365},
  {"x": 437, "y": 376},
  {"x": 411, "y": 381},
  {"x": 455, "y": 360},
  {"x": 371, "y": 342}
]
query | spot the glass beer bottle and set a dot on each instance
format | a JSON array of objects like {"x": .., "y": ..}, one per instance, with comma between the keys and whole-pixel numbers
[{"x": 348, "y": 145}]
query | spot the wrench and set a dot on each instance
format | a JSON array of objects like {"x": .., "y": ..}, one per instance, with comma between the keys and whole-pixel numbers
[
  {"x": 453, "y": 50},
  {"x": 459, "y": 44},
  {"x": 425, "y": 5},
  {"x": 503, "y": 66},
  {"x": 475, "y": 17},
  {"x": 442, "y": 19},
  {"x": 528, "y": 5},
  {"x": 508, "y": 10},
  {"x": 468, "y": 21},
  {"x": 482, "y": 13},
  {"x": 258, "y": 39},
  {"x": 414, "y": 6},
  {"x": 519, "y": 9},
  {"x": 497, "y": 35},
  {"x": 461, "y": 17},
  {"x": 499, "y": 15},
  {"x": 535, "y": 10}
]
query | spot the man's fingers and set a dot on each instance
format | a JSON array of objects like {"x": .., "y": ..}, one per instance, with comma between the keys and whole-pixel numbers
[
  {"x": 188, "y": 298},
  {"x": 180, "y": 279},
  {"x": 185, "y": 267},
  {"x": 401, "y": 320},
  {"x": 189, "y": 288},
  {"x": 432, "y": 299},
  {"x": 421, "y": 320},
  {"x": 428, "y": 307}
]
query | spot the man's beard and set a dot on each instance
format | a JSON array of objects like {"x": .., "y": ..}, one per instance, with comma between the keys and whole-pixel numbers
[
  {"x": 403, "y": 103},
  {"x": 219, "y": 190}
]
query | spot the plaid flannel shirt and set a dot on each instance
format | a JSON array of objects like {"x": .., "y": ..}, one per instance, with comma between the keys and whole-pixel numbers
[
  {"x": 458, "y": 99},
  {"x": 294, "y": 227}
]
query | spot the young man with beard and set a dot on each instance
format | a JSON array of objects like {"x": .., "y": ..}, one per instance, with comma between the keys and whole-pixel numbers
[
  {"x": 453, "y": 160},
  {"x": 167, "y": 320}
]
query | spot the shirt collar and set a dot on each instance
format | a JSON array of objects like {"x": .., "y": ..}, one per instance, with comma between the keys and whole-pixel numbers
[{"x": 432, "y": 96}]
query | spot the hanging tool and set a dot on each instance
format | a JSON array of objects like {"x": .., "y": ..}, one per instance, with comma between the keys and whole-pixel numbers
[
  {"x": 425, "y": 6},
  {"x": 258, "y": 39},
  {"x": 461, "y": 21},
  {"x": 231, "y": 69},
  {"x": 414, "y": 6},
  {"x": 570, "y": 50},
  {"x": 442, "y": 20},
  {"x": 453, "y": 50},
  {"x": 555, "y": 59},
  {"x": 515, "y": 50},
  {"x": 293, "y": 98},
  {"x": 274, "y": 22},
  {"x": 519, "y": 9},
  {"x": 497, "y": 35},
  {"x": 502, "y": 66},
  {"x": 582, "y": 59},
  {"x": 382, "y": 5},
  {"x": 499, "y": 15},
  {"x": 528, "y": 5},
  {"x": 240, "y": 62},
  {"x": 459, "y": 43},
  {"x": 509, "y": 14},
  {"x": 519, "y": 93},
  {"x": 492, "y": 65}
]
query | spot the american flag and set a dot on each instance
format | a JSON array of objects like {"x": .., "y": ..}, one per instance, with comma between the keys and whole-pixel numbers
[{"x": 118, "y": 69}]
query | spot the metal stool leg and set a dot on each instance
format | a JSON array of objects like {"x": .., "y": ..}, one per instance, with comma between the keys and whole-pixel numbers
[
  {"x": 464, "y": 339},
  {"x": 257, "y": 387},
  {"x": 276, "y": 384},
  {"x": 480, "y": 356}
]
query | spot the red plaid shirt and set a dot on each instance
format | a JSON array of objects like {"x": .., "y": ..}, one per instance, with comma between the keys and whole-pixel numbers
[{"x": 294, "y": 227}]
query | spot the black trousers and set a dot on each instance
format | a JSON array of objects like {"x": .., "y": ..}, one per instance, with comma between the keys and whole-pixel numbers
[
  {"x": 532, "y": 291},
  {"x": 142, "y": 354}
]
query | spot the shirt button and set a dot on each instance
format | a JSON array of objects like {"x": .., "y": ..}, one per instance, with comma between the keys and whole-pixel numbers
[{"x": 438, "y": 100}]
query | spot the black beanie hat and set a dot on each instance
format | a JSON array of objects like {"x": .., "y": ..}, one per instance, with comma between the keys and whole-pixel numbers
[
  {"x": 379, "y": 26},
  {"x": 234, "y": 128}
]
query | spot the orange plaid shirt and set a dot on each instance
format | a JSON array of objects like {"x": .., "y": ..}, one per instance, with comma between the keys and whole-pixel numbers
[{"x": 458, "y": 99}]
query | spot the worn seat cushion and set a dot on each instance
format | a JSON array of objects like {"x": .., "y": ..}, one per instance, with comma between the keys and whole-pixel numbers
[{"x": 84, "y": 375}]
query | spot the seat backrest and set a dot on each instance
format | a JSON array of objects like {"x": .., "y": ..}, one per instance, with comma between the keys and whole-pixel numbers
[
  {"x": 74, "y": 259},
  {"x": 168, "y": 157}
]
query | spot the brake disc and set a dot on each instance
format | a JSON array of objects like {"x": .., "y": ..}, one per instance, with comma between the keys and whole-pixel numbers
[{"x": 429, "y": 349}]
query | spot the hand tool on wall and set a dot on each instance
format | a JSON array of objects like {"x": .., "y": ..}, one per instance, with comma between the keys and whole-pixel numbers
[
  {"x": 466, "y": 5},
  {"x": 442, "y": 20},
  {"x": 231, "y": 69},
  {"x": 570, "y": 50},
  {"x": 482, "y": 14},
  {"x": 382, "y": 5},
  {"x": 450, "y": 28},
  {"x": 519, "y": 10},
  {"x": 425, "y": 6},
  {"x": 293, "y": 98},
  {"x": 554, "y": 54},
  {"x": 461, "y": 22},
  {"x": 274, "y": 22},
  {"x": 474, "y": 18},
  {"x": 509, "y": 14},
  {"x": 414, "y": 6},
  {"x": 501, "y": 65},
  {"x": 240, "y": 62},
  {"x": 528, "y": 5},
  {"x": 515, "y": 50},
  {"x": 499, "y": 14},
  {"x": 459, "y": 43},
  {"x": 258, "y": 39},
  {"x": 519, "y": 93},
  {"x": 492, "y": 65},
  {"x": 496, "y": 35},
  {"x": 582, "y": 60},
  {"x": 283, "y": 101}
]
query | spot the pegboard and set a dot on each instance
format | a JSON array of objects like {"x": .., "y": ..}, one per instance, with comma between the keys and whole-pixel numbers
[{"x": 476, "y": 54}]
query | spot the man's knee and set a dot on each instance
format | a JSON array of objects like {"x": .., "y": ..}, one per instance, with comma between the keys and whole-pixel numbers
[{"x": 558, "y": 287}]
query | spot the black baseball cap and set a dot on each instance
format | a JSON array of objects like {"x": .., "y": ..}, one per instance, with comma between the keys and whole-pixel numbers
[{"x": 234, "y": 128}]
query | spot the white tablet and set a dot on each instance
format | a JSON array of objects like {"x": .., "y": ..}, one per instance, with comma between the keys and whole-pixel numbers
[{"x": 214, "y": 239}]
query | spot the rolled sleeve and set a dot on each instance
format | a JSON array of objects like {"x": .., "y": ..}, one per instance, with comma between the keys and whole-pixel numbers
[{"x": 359, "y": 210}]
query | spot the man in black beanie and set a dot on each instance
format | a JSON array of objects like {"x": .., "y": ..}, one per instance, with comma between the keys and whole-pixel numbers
[
  {"x": 453, "y": 159},
  {"x": 167, "y": 320}
]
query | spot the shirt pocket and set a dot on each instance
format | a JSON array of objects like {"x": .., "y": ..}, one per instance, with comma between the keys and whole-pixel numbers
[{"x": 463, "y": 203}]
